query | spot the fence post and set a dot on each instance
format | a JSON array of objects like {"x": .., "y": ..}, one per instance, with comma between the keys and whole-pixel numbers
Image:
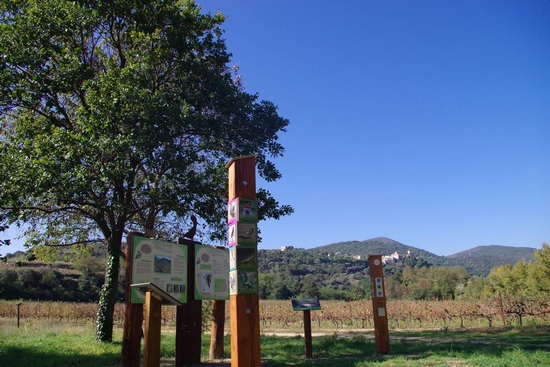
[{"x": 18, "y": 314}]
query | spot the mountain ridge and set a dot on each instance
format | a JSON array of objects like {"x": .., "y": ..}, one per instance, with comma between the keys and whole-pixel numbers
[{"x": 478, "y": 260}]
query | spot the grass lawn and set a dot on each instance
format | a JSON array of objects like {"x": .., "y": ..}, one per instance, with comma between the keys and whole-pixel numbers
[{"x": 50, "y": 344}]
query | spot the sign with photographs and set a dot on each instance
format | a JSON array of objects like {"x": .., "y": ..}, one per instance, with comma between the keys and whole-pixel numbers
[
  {"x": 243, "y": 282},
  {"x": 211, "y": 273},
  {"x": 243, "y": 257},
  {"x": 242, "y": 234},
  {"x": 241, "y": 209},
  {"x": 161, "y": 263}
]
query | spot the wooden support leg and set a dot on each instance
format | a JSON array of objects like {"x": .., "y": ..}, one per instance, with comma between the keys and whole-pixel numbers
[
  {"x": 307, "y": 333},
  {"x": 153, "y": 309}
]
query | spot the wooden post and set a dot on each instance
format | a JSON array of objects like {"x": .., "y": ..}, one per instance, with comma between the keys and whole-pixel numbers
[
  {"x": 151, "y": 344},
  {"x": 307, "y": 333},
  {"x": 217, "y": 330},
  {"x": 189, "y": 317},
  {"x": 381, "y": 332},
  {"x": 18, "y": 314},
  {"x": 244, "y": 308},
  {"x": 245, "y": 330},
  {"x": 133, "y": 314}
]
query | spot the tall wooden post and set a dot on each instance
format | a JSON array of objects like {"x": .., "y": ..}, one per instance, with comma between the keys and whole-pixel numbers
[
  {"x": 189, "y": 317},
  {"x": 133, "y": 314},
  {"x": 381, "y": 332},
  {"x": 244, "y": 302}
]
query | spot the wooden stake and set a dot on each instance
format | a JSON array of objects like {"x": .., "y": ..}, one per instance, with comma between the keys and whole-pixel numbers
[
  {"x": 151, "y": 344},
  {"x": 307, "y": 333}
]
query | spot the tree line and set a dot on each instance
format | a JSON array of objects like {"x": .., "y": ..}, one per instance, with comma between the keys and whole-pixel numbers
[{"x": 297, "y": 273}]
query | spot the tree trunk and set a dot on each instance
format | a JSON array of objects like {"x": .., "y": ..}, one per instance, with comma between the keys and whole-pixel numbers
[
  {"x": 217, "y": 330},
  {"x": 133, "y": 315},
  {"x": 107, "y": 298}
]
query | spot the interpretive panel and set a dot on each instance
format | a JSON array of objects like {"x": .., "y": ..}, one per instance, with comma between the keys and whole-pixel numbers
[
  {"x": 211, "y": 273},
  {"x": 162, "y": 263},
  {"x": 305, "y": 304}
]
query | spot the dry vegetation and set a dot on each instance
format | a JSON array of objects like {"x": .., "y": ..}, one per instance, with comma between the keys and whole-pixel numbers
[{"x": 278, "y": 315}]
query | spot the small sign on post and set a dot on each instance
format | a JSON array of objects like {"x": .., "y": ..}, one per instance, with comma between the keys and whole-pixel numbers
[
  {"x": 381, "y": 332},
  {"x": 307, "y": 305}
]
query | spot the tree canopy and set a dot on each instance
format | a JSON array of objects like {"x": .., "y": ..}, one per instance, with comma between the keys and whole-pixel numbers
[{"x": 120, "y": 116}]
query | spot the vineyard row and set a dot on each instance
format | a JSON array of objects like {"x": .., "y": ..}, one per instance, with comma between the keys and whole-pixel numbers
[{"x": 337, "y": 314}]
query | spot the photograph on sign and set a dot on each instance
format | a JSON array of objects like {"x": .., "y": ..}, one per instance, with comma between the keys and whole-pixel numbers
[
  {"x": 243, "y": 282},
  {"x": 162, "y": 263},
  {"x": 211, "y": 273},
  {"x": 232, "y": 234},
  {"x": 232, "y": 258},
  {"x": 241, "y": 209},
  {"x": 243, "y": 257}
]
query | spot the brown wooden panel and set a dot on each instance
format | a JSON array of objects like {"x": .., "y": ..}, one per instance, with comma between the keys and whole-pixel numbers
[{"x": 242, "y": 177}]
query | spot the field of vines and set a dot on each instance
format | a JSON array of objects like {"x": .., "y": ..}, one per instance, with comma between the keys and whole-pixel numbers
[{"x": 279, "y": 315}]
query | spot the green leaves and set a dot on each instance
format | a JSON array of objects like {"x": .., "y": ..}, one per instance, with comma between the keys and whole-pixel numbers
[{"x": 120, "y": 116}]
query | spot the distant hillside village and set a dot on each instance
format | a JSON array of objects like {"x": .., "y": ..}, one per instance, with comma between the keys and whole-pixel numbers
[{"x": 386, "y": 259}]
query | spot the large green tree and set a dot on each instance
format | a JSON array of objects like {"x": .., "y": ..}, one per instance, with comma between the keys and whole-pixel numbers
[{"x": 120, "y": 116}]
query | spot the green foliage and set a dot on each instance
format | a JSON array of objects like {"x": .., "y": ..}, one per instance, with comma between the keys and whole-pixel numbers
[
  {"x": 48, "y": 284},
  {"x": 298, "y": 273},
  {"x": 120, "y": 116},
  {"x": 480, "y": 260},
  {"x": 433, "y": 283}
]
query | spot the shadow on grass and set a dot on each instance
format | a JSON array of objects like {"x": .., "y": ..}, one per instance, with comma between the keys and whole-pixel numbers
[
  {"x": 28, "y": 356},
  {"x": 408, "y": 349},
  {"x": 511, "y": 347}
]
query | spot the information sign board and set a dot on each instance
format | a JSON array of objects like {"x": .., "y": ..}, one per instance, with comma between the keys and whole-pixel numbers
[
  {"x": 211, "y": 273},
  {"x": 162, "y": 263},
  {"x": 306, "y": 304}
]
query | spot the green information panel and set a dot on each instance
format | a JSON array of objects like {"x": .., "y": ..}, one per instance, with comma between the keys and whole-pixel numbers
[
  {"x": 161, "y": 263},
  {"x": 211, "y": 273}
]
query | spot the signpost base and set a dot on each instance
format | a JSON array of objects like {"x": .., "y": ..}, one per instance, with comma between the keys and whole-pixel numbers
[{"x": 245, "y": 330}]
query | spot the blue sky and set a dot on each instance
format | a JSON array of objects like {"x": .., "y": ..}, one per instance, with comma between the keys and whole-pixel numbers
[
  {"x": 422, "y": 121},
  {"x": 427, "y": 122}
]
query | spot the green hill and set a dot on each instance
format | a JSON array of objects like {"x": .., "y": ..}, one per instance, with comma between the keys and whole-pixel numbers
[
  {"x": 375, "y": 246},
  {"x": 480, "y": 260}
]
